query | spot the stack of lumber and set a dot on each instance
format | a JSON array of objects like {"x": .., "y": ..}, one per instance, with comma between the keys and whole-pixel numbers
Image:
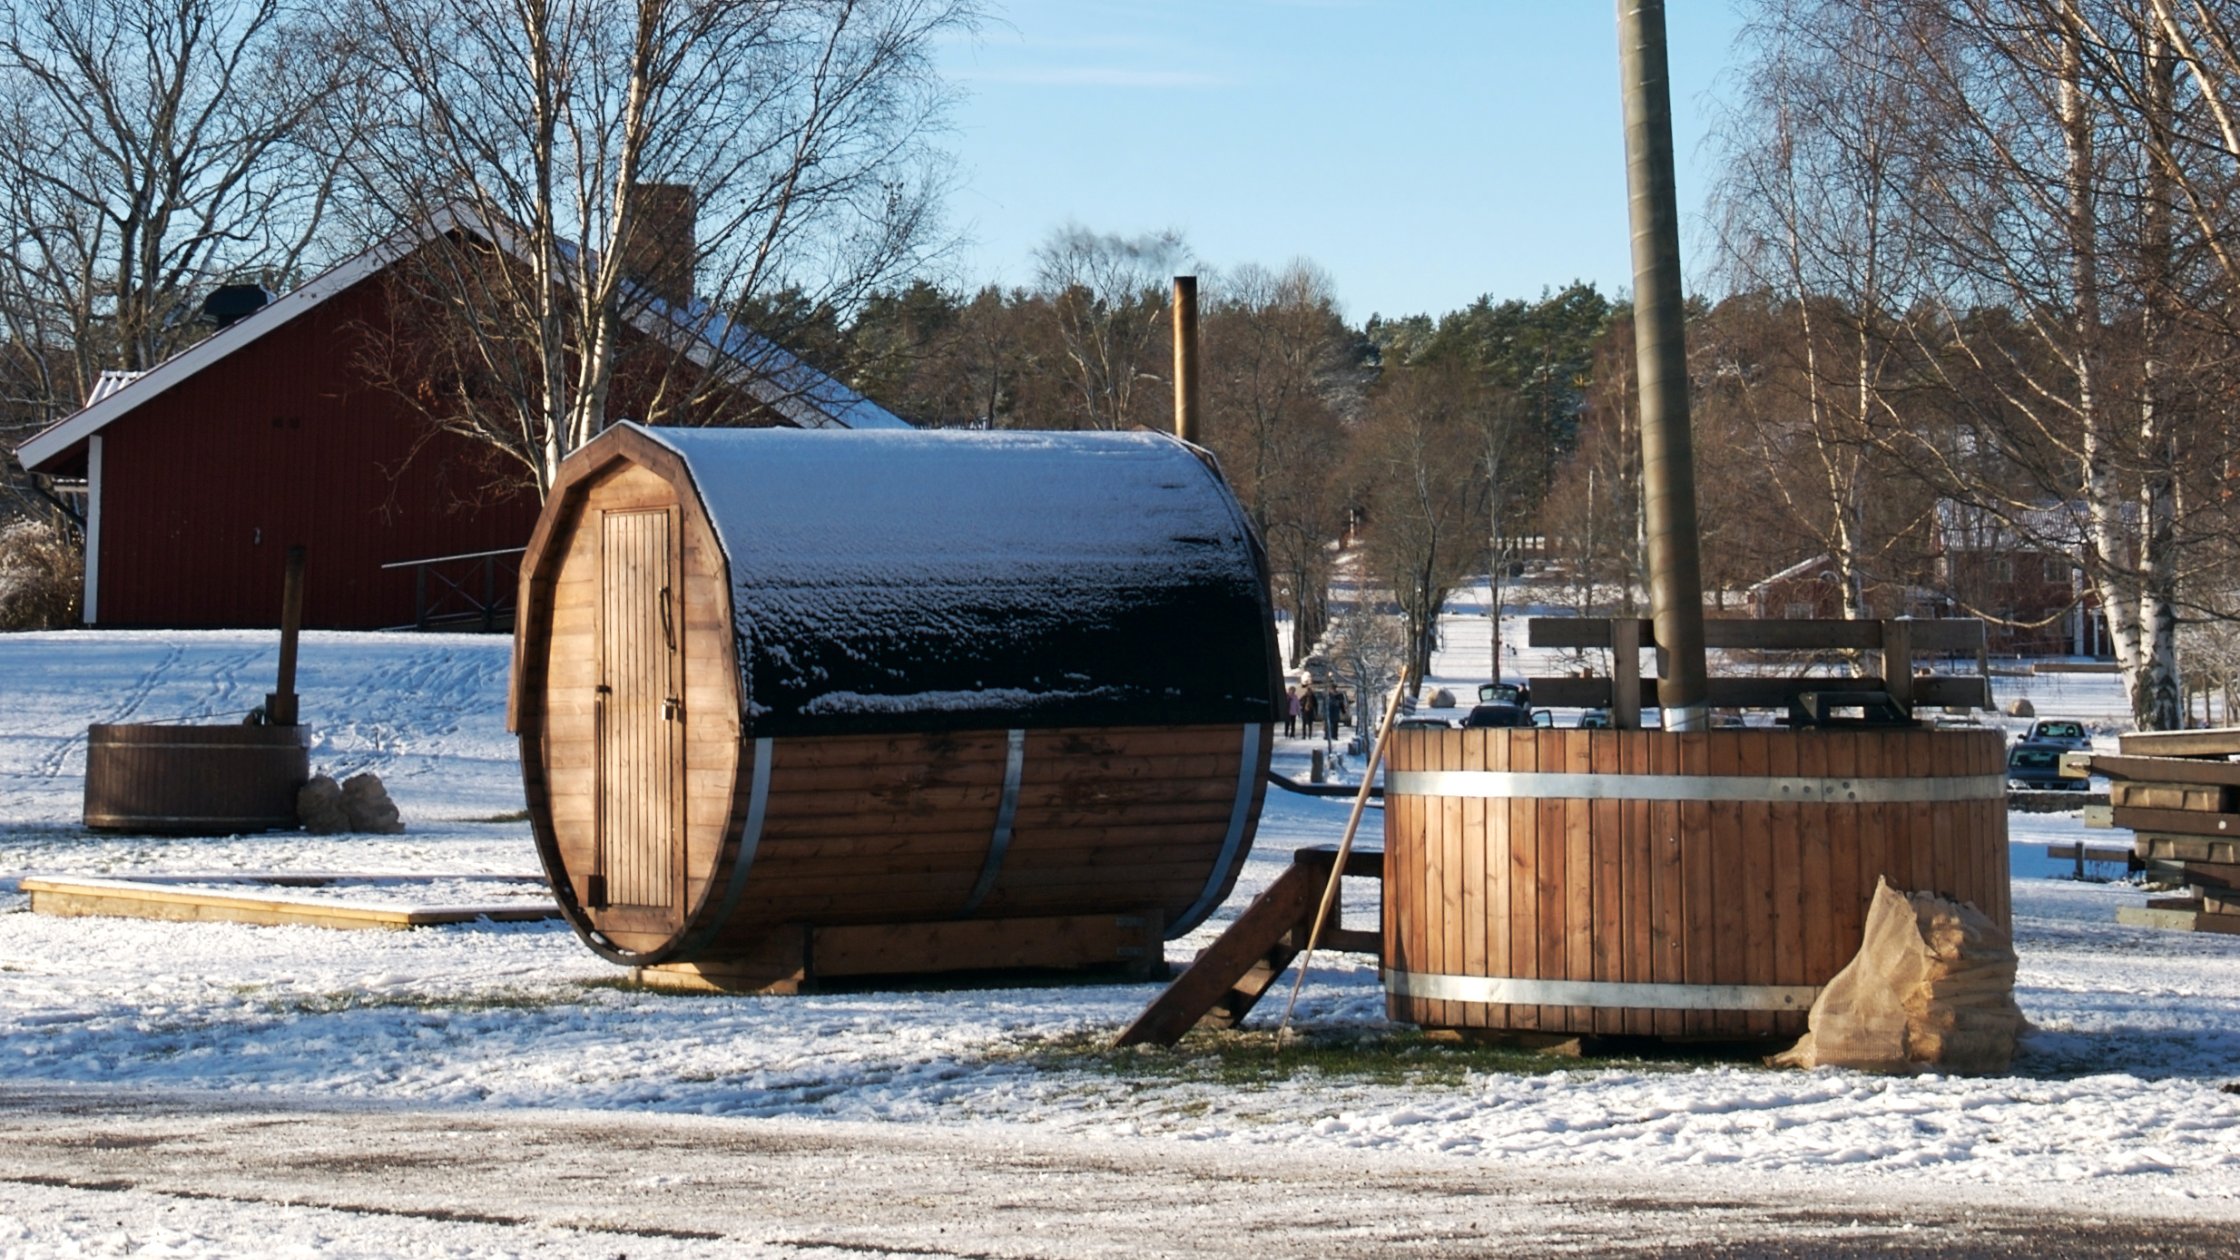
[{"x": 2177, "y": 792}]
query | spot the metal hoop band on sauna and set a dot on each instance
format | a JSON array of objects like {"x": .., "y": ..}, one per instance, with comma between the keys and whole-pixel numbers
[{"x": 1666, "y": 884}]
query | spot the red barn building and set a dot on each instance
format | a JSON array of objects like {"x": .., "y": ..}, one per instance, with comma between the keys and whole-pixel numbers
[{"x": 199, "y": 474}]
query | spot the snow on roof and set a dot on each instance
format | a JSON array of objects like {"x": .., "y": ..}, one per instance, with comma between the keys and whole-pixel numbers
[
  {"x": 906, "y": 579},
  {"x": 1797, "y": 570},
  {"x": 788, "y": 386},
  {"x": 109, "y": 383},
  {"x": 2056, "y": 526}
]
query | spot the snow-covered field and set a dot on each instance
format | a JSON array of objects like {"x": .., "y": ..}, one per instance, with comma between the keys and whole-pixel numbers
[{"x": 2118, "y": 1095}]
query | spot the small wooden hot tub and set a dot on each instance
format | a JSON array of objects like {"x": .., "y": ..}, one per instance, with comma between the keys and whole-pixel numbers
[
  {"x": 154, "y": 779},
  {"x": 1646, "y": 883},
  {"x": 978, "y": 691}
]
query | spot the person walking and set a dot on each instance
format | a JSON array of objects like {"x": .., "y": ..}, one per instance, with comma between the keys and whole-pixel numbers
[
  {"x": 1341, "y": 712},
  {"x": 1290, "y": 711},
  {"x": 1310, "y": 707},
  {"x": 1332, "y": 707}
]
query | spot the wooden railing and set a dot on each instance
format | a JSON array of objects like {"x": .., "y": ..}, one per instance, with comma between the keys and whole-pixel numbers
[
  {"x": 472, "y": 589},
  {"x": 1811, "y": 699}
]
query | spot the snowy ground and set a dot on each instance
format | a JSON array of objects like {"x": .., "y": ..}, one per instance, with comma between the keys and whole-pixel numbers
[{"x": 2115, "y": 1105}]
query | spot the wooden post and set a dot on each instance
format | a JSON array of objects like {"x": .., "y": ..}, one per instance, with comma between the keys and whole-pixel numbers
[
  {"x": 280, "y": 706},
  {"x": 1625, "y": 673},
  {"x": 1897, "y": 662},
  {"x": 1186, "y": 360}
]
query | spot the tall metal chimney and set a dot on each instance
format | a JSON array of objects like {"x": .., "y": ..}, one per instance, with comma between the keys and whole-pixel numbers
[
  {"x": 1668, "y": 473},
  {"x": 1186, "y": 360}
]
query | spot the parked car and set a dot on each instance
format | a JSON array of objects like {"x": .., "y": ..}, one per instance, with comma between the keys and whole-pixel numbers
[
  {"x": 1594, "y": 720},
  {"x": 2059, "y": 732},
  {"x": 1420, "y": 723},
  {"x": 2039, "y": 766},
  {"x": 1505, "y": 693},
  {"x": 1487, "y": 716}
]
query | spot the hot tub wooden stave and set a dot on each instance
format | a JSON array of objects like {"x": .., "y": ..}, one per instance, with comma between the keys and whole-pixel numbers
[
  {"x": 1730, "y": 911},
  {"x": 163, "y": 779}
]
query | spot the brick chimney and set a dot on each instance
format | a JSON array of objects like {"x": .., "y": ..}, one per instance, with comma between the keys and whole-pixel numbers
[{"x": 661, "y": 249}]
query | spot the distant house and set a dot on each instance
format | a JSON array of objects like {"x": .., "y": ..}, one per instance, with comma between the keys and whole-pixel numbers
[
  {"x": 1813, "y": 588},
  {"x": 199, "y": 474},
  {"x": 2025, "y": 574}
]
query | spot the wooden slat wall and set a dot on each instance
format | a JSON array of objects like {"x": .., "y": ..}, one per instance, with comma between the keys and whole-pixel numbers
[
  {"x": 1669, "y": 892},
  {"x": 896, "y": 829},
  {"x": 637, "y": 815}
]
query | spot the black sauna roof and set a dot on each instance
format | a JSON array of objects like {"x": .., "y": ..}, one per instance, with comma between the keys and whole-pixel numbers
[{"x": 946, "y": 580}]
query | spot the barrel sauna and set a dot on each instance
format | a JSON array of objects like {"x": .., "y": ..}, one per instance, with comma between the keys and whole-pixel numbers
[
  {"x": 157, "y": 779},
  {"x": 960, "y": 685},
  {"x": 1664, "y": 884}
]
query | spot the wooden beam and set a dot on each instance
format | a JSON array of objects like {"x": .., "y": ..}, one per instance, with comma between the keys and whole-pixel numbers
[
  {"x": 1951, "y": 634},
  {"x": 2165, "y": 769},
  {"x": 132, "y": 899},
  {"x": 1766, "y": 693},
  {"x": 2222, "y": 742},
  {"x": 2184, "y": 822}
]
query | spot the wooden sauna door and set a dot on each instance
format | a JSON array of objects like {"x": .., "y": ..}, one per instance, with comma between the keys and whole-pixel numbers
[{"x": 640, "y": 770}]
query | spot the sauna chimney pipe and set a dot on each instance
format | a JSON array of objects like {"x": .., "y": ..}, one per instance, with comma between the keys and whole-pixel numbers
[
  {"x": 1667, "y": 450},
  {"x": 1186, "y": 360}
]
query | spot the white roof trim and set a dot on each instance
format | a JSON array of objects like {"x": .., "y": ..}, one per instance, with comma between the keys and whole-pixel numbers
[
  {"x": 854, "y": 410},
  {"x": 1793, "y": 571}
]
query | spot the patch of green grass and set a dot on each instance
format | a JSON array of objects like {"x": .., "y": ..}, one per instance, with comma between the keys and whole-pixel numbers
[
  {"x": 1248, "y": 1060},
  {"x": 340, "y": 1001}
]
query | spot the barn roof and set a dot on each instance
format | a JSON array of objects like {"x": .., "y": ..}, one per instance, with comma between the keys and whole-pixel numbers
[
  {"x": 775, "y": 377},
  {"x": 890, "y": 580}
]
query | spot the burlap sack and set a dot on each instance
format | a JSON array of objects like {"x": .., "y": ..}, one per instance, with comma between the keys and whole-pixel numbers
[
  {"x": 319, "y": 807},
  {"x": 1932, "y": 989},
  {"x": 369, "y": 806}
]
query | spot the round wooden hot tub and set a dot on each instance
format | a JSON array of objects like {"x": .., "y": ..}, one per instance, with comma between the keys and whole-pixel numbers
[
  {"x": 960, "y": 686},
  {"x": 1645, "y": 883},
  {"x": 155, "y": 779}
]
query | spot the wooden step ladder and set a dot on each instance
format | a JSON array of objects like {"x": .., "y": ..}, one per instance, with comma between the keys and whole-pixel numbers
[{"x": 1242, "y": 964}]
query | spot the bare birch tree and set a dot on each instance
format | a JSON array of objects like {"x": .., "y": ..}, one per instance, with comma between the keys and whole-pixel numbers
[
  {"x": 553, "y": 150},
  {"x": 1109, "y": 293},
  {"x": 147, "y": 154}
]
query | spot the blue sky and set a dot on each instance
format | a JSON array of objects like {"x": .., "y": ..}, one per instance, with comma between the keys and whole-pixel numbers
[{"x": 1421, "y": 151}]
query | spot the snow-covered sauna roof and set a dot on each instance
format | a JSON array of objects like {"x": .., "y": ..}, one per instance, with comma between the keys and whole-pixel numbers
[{"x": 904, "y": 580}]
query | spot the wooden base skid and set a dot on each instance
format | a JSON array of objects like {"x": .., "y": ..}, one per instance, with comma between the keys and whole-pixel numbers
[{"x": 795, "y": 956}]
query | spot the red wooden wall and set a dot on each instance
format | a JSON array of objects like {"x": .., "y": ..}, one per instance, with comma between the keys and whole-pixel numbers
[{"x": 205, "y": 487}]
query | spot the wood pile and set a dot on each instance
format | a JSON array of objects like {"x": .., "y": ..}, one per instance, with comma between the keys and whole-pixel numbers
[{"x": 2178, "y": 792}]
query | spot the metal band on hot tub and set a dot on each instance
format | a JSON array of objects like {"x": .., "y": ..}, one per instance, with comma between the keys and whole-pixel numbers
[
  {"x": 1501, "y": 784},
  {"x": 1512, "y": 991},
  {"x": 1007, "y": 809}
]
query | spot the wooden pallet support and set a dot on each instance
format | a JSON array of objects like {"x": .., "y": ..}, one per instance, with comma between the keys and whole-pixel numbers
[
  {"x": 794, "y": 957},
  {"x": 1231, "y": 976}
]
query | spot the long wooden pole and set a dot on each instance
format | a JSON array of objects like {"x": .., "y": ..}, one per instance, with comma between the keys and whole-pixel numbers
[
  {"x": 1186, "y": 360},
  {"x": 1345, "y": 850},
  {"x": 280, "y": 706},
  {"x": 1667, "y": 444}
]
